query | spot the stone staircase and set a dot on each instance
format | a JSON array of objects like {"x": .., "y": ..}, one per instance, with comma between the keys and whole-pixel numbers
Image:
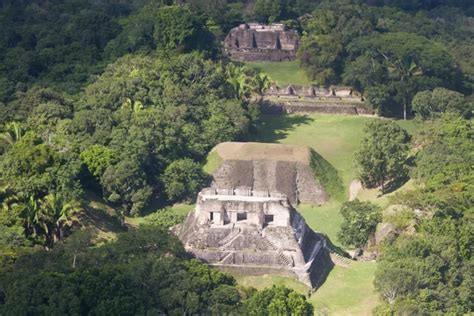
[
  {"x": 223, "y": 259},
  {"x": 339, "y": 260},
  {"x": 229, "y": 239},
  {"x": 283, "y": 258}
]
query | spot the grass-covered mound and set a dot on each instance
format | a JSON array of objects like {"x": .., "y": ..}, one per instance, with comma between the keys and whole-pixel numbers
[
  {"x": 327, "y": 175},
  {"x": 297, "y": 171},
  {"x": 213, "y": 162}
]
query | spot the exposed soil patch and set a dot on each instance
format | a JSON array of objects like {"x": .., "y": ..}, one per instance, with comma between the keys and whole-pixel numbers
[{"x": 354, "y": 189}]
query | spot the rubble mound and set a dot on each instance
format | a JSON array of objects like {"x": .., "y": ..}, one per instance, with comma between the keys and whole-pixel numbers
[
  {"x": 253, "y": 233},
  {"x": 271, "y": 167}
]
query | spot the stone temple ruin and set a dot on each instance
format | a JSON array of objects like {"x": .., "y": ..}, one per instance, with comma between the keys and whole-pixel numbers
[
  {"x": 257, "y": 42},
  {"x": 245, "y": 221},
  {"x": 273, "y": 167},
  {"x": 294, "y": 98},
  {"x": 253, "y": 233}
]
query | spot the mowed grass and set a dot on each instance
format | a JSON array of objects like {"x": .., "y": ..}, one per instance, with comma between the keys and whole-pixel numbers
[
  {"x": 179, "y": 209},
  {"x": 325, "y": 219},
  {"x": 374, "y": 195},
  {"x": 283, "y": 73},
  {"x": 263, "y": 281},
  {"x": 347, "y": 291},
  {"x": 335, "y": 137}
]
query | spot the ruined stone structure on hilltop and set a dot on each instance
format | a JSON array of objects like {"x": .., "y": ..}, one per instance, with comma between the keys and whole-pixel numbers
[
  {"x": 294, "y": 98},
  {"x": 272, "y": 167},
  {"x": 253, "y": 233},
  {"x": 257, "y": 42}
]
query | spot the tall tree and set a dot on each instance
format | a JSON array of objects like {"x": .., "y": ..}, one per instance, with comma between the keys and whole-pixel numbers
[
  {"x": 383, "y": 153},
  {"x": 360, "y": 221},
  {"x": 430, "y": 104},
  {"x": 411, "y": 63}
]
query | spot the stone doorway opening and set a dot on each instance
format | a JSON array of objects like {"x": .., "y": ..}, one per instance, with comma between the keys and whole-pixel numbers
[
  {"x": 241, "y": 217},
  {"x": 268, "y": 219}
]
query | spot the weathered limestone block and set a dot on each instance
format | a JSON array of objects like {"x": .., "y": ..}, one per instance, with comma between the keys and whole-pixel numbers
[
  {"x": 384, "y": 231},
  {"x": 260, "y": 234},
  {"x": 268, "y": 168},
  {"x": 256, "y": 42}
]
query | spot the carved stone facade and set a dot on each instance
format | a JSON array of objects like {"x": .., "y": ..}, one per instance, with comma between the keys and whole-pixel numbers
[
  {"x": 254, "y": 232},
  {"x": 257, "y": 42}
]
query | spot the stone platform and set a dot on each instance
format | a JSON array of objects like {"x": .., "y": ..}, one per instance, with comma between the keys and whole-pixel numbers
[{"x": 254, "y": 232}]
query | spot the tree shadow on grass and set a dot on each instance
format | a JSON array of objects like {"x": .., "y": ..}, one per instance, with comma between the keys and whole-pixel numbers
[
  {"x": 395, "y": 184},
  {"x": 274, "y": 127},
  {"x": 100, "y": 219}
]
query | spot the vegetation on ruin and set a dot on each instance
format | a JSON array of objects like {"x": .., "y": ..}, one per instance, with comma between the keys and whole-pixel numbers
[
  {"x": 108, "y": 110},
  {"x": 327, "y": 175}
]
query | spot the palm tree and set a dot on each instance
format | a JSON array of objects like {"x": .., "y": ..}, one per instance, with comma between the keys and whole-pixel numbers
[
  {"x": 238, "y": 81},
  {"x": 13, "y": 133},
  {"x": 30, "y": 212},
  {"x": 404, "y": 69},
  {"x": 132, "y": 106},
  {"x": 260, "y": 83},
  {"x": 57, "y": 215}
]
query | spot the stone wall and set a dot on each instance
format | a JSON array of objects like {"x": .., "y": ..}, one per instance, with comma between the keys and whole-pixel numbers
[
  {"x": 311, "y": 99},
  {"x": 292, "y": 249},
  {"x": 313, "y": 92},
  {"x": 276, "y": 107},
  {"x": 217, "y": 209},
  {"x": 294, "y": 179},
  {"x": 256, "y": 42}
]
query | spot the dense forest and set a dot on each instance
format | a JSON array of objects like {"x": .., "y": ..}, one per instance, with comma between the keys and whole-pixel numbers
[{"x": 123, "y": 100}]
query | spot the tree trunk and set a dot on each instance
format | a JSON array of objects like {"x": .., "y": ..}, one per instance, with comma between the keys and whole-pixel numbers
[
  {"x": 55, "y": 236},
  {"x": 405, "y": 110},
  {"x": 61, "y": 233},
  {"x": 74, "y": 260}
]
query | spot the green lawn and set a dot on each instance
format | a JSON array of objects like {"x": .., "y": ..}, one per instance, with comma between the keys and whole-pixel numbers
[
  {"x": 325, "y": 219},
  {"x": 335, "y": 137},
  {"x": 263, "y": 281},
  {"x": 179, "y": 209},
  {"x": 283, "y": 73},
  {"x": 347, "y": 291}
]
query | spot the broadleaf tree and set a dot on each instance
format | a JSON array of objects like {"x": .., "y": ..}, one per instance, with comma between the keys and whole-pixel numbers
[{"x": 383, "y": 154}]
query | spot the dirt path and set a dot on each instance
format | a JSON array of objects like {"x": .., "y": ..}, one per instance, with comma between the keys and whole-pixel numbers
[{"x": 354, "y": 189}]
